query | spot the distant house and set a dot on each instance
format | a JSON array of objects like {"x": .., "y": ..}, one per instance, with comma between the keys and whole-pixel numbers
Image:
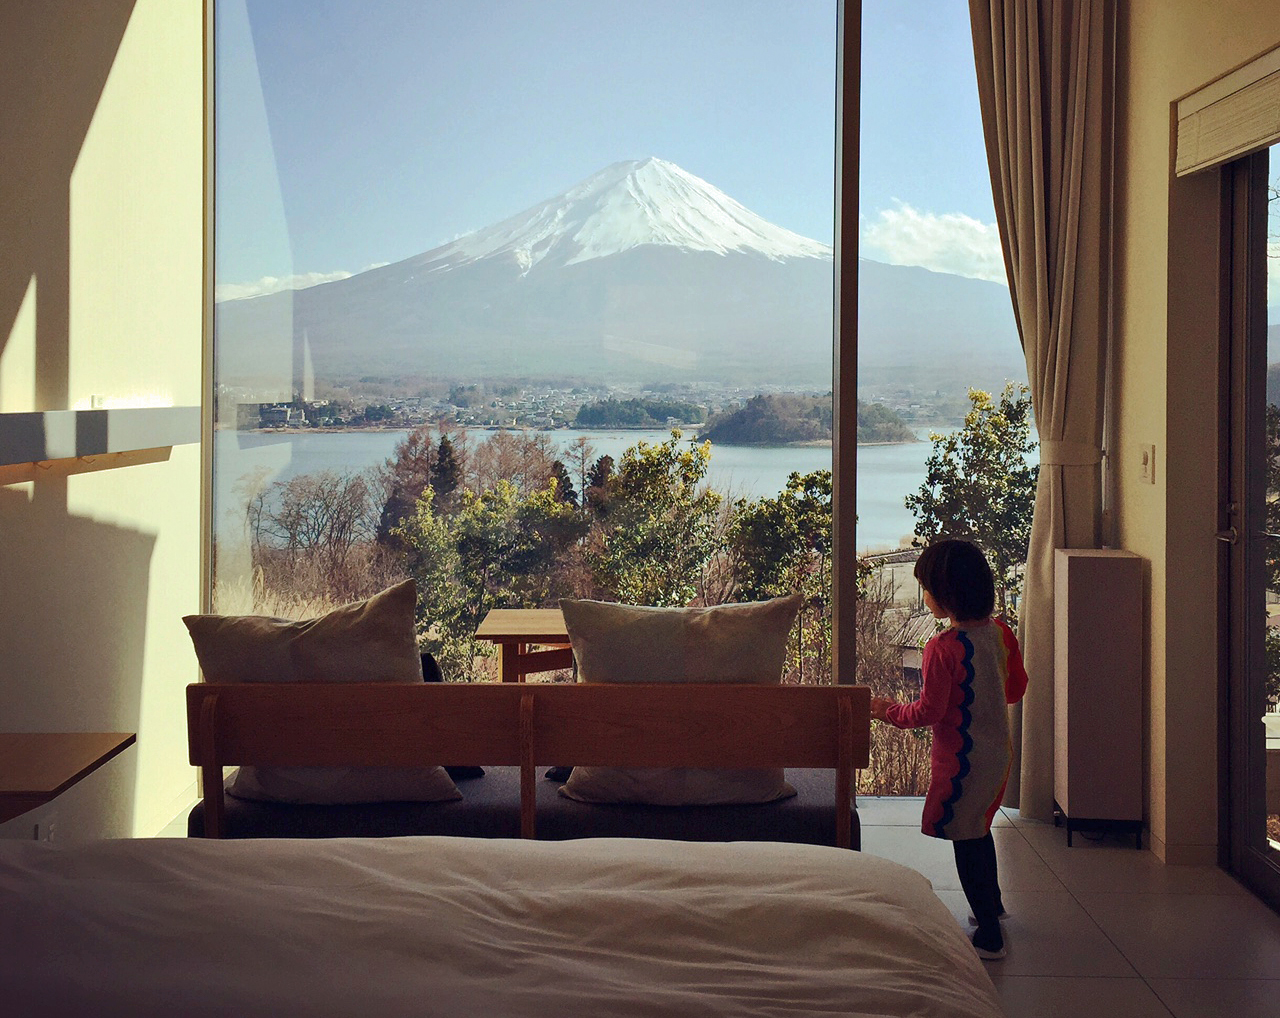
[{"x": 281, "y": 416}]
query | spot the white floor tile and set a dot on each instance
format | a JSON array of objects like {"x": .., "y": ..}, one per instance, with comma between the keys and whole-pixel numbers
[
  {"x": 1118, "y": 866},
  {"x": 1196, "y": 936},
  {"x": 906, "y": 845},
  {"x": 1219, "y": 998},
  {"x": 1077, "y": 997},
  {"x": 1021, "y": 868},
  {"x": 1048, "y": 934},
  {"x": 903, "y": 811},
  {"x": 890, "y": 811},
  {"x": 1102, "y": 928}
]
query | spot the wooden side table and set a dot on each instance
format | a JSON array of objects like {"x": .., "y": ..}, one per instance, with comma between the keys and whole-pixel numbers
[
  {"x": 515, "y": 630},
  {"x": 35, "y": 767}
]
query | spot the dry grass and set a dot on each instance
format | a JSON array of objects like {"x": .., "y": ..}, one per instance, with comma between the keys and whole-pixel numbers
[
  {"x": 248, "y": 595},
  {"x": 899, "y": 762}
]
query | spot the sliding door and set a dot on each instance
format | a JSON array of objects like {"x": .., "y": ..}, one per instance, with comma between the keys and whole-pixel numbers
[{"x": 1250, "y": 523}]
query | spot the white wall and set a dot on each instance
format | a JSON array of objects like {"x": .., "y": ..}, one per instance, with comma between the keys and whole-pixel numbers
[{"x": 101, "y": 282}]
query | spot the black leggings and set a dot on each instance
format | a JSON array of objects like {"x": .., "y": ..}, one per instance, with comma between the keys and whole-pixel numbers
[{"x": 976, "y": 864}]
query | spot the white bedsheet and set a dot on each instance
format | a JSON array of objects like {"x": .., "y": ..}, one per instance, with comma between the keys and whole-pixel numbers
[{"x": 456, "y": 926}]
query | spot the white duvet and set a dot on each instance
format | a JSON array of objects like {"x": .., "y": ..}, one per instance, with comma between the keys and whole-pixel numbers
[{"x": 455, "y": 926}]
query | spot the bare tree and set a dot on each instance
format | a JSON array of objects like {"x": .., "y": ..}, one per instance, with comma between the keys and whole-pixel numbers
[
  {"x": 255, "y": 492},
  {"x": 322, "y": 515},
  {"x": 579, "y": 457},
  {"x": 524, "y": 459}
]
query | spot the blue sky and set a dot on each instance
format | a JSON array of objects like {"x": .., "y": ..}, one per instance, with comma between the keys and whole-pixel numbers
[{"x": 359, "y": 132}]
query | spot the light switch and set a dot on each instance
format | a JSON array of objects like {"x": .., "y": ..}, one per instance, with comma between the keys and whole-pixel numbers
[{"x": 1148, "y": 454}]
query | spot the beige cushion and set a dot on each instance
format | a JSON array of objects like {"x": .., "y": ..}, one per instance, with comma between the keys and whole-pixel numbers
[
  {"x": 725, "y": 643},
  {"x": 366, "y": 641}
]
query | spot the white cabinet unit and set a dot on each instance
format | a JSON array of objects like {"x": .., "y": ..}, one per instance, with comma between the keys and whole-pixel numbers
[{"x": 1098, "y": 619}]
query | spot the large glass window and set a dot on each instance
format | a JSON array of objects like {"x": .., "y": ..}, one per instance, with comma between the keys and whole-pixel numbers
[
  {"x": 532, "y": 301},
  {"x": 526, "y": 301},
  {"x": 946, "y": 441}
]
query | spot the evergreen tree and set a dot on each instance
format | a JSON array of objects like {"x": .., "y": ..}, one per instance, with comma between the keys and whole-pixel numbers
[
  {"x": 404, "y": 477},
  {"x": 447, "y": 473},
  {"x": 596, "y": 495},
  {"x": 564, "y": 484}
]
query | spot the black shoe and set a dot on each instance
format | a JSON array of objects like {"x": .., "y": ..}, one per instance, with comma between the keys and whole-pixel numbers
[{"x": 973, "y": 919}]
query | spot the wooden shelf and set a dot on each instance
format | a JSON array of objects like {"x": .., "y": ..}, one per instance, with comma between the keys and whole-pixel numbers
[{"x": 36, "y": 767}]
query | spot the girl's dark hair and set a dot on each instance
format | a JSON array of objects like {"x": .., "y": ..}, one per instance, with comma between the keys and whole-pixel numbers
[{"x": 958, "y": 577}]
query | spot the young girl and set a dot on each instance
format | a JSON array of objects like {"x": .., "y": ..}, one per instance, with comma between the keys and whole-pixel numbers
[{"x": 971, "y": 672}]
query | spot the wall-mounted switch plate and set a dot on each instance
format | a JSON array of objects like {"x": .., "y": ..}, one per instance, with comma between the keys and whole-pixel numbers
[{"x": 1148, "y": 461}]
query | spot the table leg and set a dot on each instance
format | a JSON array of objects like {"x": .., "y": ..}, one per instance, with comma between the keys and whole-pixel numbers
[{"x": 510, "y": 655}]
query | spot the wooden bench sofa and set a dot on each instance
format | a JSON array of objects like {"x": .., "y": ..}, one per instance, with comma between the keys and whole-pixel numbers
[{"x": 821, "y": 734}]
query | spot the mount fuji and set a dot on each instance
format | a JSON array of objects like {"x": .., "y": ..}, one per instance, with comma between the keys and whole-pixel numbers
[{"x": 641, "y": 272}]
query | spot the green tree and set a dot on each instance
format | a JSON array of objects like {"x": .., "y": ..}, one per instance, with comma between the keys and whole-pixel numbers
[
  {"x": 447, "y": 471},
  {"x": 660, "y": 529},
  {"x": 496, "y": 549},
  {"x": 564, "y": 483},
  {"x": 431, "y": 558},
  {"x": 782, "y": 545},
  {"x": 404, "y": 475},
  {"x": 595, "y": 493},
  {"x": 979, "y": 486}
]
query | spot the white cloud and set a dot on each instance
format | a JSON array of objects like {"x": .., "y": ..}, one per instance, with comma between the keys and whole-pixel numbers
[
  {"x": 274, "y": 284},
  {"x": 951, "y": 242}
]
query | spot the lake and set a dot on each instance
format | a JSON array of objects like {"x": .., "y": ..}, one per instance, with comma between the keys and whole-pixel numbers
[{"x": 886, "y": 473}]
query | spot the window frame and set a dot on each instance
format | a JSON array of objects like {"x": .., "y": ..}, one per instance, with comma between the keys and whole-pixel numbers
[{"x": 844, "y": 379}]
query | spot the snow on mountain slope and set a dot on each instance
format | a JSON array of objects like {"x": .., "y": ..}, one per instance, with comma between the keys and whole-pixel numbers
[{"x": 624, "y": 206}]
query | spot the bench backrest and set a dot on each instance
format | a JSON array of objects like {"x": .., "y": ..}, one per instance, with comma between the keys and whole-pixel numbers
[{"x": 614, "y": 725}]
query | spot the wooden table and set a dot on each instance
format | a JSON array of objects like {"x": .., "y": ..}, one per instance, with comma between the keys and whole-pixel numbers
[
  {"x": 516, "y": 630},
  {"x": 37, "y": 766}
]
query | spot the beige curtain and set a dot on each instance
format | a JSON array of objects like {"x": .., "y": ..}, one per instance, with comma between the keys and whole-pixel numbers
[{"x": 1044, "y": 83}]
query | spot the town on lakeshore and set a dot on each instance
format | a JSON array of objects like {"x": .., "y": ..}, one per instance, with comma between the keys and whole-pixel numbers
[{"x": 378, "y": 404}]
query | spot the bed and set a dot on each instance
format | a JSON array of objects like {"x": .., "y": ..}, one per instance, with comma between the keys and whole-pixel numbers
[{"x": 465, "y": 926}]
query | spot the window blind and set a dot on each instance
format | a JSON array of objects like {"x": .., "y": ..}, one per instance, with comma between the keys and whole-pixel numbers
[{"x": 1231, "y": 116}]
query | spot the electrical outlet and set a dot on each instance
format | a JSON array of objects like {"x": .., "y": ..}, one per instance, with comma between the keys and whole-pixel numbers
[
  {"x": 44, "y": 830},
  {"x": 1148, "y": 468}
]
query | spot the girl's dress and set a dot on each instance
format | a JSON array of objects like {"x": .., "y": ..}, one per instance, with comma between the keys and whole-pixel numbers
[{"x": 970, "y": 676}]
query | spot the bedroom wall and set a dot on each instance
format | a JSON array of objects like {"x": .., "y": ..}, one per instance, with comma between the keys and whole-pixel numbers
[
  {"x": 1166, "y": 369},
  {"x": 102, "y": 212}
]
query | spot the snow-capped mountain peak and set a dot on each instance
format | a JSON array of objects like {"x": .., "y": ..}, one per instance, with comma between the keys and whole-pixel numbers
[{"x": 623, "y": 206}]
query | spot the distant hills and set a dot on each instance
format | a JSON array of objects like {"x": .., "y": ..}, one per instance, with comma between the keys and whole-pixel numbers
[{"x": 643, "y": 272}]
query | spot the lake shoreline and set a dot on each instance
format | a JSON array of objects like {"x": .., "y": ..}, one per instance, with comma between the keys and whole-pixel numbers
[
  {"x": 886, "y": 472},
  {"x": 812, "y": 444}
]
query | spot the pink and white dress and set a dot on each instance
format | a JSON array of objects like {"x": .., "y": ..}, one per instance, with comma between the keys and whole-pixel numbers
[{"x": 971, "y": 675}]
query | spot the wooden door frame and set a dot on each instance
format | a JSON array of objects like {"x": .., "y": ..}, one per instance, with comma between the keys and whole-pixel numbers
[{"x": 1242, "y": 395}]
